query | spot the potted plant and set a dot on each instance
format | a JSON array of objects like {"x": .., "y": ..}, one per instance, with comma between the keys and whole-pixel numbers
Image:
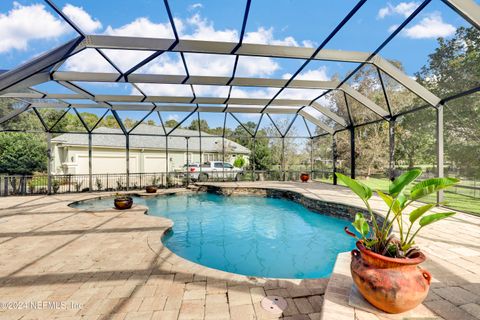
[
  {"x": 304, "y": 176},
  {"x": 385, "y": 268},
  {"x": 151, "y": 189},
  {"x": 122, "y": 202}
]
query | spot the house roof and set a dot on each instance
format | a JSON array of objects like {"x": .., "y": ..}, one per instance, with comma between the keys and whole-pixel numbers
[{"x": 112, "y": 139}]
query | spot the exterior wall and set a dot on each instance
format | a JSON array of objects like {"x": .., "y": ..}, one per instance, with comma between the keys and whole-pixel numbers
[{"x": 74, "y": 160}]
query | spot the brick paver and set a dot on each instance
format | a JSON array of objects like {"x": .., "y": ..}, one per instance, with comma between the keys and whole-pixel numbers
[{"x": 112, "y": 265}]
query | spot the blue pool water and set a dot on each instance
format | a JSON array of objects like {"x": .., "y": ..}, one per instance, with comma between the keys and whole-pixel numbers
[{"x": 248, "y": 235}]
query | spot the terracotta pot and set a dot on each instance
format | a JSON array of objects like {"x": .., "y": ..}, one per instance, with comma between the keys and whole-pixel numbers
[
  {"x": 390, "y": 284},
  {"x": 304, "y": 177},
  {"x": 151, "y": 189},
  {"x": 123, "y": 203}
]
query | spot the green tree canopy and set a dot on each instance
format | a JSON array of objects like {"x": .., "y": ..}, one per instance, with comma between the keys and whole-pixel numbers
[{"x": 22, "y": 153}]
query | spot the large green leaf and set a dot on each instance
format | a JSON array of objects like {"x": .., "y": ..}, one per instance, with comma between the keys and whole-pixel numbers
[
  {"x": 425, "y": 221},
  {"x": 403, "y": 180},
  {"x": 361, "y": 225},
  {"x": 417, "y": 213},
  {"x": 399, "y": 203},
  {"x": 429, "y": 186},
  {"x": 359, "y": 188},
  {"x": 386, "y": 198}
]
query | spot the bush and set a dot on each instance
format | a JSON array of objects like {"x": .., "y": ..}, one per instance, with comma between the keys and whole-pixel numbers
[{"x": 239, "y": 162}]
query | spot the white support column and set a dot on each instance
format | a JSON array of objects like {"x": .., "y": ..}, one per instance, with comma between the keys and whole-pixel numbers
[
  {"x": 90, "y": 171},
  {"x": 440, "y": 159}
]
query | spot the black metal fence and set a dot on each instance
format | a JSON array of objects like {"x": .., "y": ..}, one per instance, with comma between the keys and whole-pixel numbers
[{"x": 74, "y": 183}]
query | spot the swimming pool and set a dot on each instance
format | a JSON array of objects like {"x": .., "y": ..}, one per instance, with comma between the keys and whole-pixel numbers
[{"x": 249, "y": 235}]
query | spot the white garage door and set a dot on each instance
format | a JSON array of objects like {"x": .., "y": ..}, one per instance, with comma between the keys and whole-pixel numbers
[
  {"x": 106, "y": 164},
  {"x": 154, "y": 164}
]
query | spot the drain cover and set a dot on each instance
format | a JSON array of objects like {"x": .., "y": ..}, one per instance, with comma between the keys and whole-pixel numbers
[{"x": 274, "y": 304}]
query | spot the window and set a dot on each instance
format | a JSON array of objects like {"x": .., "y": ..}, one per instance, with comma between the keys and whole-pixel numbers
[
  {"x": 189, "y": 157},
  {"x": 210, "y": 157},
  {"x": 218, "y": 165},
  {"x": 227, "y": 165}
]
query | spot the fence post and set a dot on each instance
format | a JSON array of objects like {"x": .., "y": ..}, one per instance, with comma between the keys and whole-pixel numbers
[
  {"x": 49, "y": 164},
  {"x": 5, "y": 193}
]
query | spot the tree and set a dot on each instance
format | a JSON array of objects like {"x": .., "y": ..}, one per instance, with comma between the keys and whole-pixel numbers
[
  {"x": 22, "y": 153},
  {"x": 202, "y": 124},
  {"x": 172, "y": 123},
  {"x": 239, "y": 162},
  {"x": 452, "y": 68}
]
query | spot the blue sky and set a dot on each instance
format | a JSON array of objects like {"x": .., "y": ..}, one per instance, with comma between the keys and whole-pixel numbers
[{"x": 30, "y": 27}]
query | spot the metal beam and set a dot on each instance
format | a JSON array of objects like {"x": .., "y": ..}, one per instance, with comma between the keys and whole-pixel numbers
[
  {"x": 333, "y": 116},
  {"x": 468, "y": 9},
  {"x": 315, "y": 121},
  {"x": 365, "y": 101},
  {"x": 405, "y": 80},
  {"x": 274, "y": 51},
  {"x": 43, "y": 63},
  {"x": 218, "y": 47},
  {"x": 14, "y": 114},
  {"x": 194, "y": 80}
]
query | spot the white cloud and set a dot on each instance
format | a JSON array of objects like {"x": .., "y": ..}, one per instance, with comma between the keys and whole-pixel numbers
[
  {"x": 265, "y": 36},
  {"x": 319, "y": 74},
  {"x": 209, "y": 64},
  {"x": 432, "y": 26},
  {"x": 195, "y": 6},
  {"x": 403, "y": 8},
  {"x": 88, "y": 60},
  {"x": 393, "y": 27},
  {"x": 203, "y": 29},
  {"x": 82, "y": 18},
  {"x": 143, "y": 27},
  {"x": 23, "y": 24},
  {"x": 256, "y": 66}
]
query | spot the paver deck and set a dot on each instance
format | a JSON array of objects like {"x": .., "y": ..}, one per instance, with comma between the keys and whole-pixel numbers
[{"x": 60, "y": 262}]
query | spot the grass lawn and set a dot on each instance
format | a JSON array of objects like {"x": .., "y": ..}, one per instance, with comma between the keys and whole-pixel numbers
[{"x": 454, "y": 201}]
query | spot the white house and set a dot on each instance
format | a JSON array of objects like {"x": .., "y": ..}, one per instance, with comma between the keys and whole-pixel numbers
[{"x": 147, "y": 151}]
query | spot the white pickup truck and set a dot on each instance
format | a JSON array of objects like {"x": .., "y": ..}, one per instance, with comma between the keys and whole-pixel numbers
[{"x": 215, "y": 170}]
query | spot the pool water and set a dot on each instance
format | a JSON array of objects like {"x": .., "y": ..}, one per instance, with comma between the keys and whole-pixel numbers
[{"x": 248, "y": 235}]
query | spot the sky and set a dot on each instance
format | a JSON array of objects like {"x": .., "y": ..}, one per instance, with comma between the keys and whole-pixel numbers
[{"x": 30, "y": 27}]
